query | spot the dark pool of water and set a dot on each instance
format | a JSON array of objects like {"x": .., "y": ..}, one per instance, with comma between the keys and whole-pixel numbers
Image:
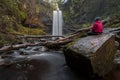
[{"x": 45, "y": 66}]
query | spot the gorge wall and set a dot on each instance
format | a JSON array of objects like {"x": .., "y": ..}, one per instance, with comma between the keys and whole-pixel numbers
[{"x": 78, "y": 12}]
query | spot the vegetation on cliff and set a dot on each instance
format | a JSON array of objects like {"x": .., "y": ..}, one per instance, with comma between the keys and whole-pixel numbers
[
  {"x": 77, "y": 12},
  {"x": 22, "y": 17}
]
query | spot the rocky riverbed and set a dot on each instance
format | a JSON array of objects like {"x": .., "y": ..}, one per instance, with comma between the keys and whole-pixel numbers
[{"x": 38, "y": 63}]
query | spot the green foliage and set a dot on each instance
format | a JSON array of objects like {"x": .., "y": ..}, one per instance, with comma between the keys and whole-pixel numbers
[
  {"x": 4, "y": 40},
  {"x": 22, "y": 15},
  {"x": 13, "y": 9},
  {"x": 77, "y": 12},
  {"x": 7, "y": 21},
  {"x": 13, "y": 14},
  {"x": 86, "y": 25},
  {"x": 115, "y": 20},
  {"x": 1, "y": 41},
  {"x": 115, "y": 25},
  {"x": 56, "y": 4}
]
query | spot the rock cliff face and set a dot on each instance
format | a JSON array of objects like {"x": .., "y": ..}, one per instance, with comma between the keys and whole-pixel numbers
[
  {"x": 84, "y": 11},
  {"x": 23, "y": 17}
]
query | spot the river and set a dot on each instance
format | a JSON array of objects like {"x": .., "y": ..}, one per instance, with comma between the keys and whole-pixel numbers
[{"x": 42, "y": 66}]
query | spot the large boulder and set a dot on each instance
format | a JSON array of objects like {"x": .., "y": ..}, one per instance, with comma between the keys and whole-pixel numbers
[{"x": 92, "y": 54}]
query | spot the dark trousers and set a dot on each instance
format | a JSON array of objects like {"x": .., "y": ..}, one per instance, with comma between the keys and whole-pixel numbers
[{"x": 94, "y": 33}]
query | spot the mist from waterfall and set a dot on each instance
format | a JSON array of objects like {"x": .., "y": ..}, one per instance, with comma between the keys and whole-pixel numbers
[{"x": 57, "y": 22}]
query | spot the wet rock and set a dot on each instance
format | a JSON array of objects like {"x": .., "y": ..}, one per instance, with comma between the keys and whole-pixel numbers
[
  {"x": 117, "y": 57},
  {"x": 113, "y": 75},
  {"x": 91, "y": 55},
  {"x": 117, "y": 44},
  {"x": 117, "y": 39}
]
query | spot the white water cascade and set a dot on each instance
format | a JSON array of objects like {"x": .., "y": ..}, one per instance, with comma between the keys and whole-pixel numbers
[{"x": 57, "y": 23}]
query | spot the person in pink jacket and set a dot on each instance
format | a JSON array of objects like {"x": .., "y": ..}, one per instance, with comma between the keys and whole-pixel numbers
[{"x": 97, "y": 27}]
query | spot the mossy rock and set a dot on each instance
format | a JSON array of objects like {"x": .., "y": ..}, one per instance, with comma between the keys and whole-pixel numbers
[{"x": 92, "y": 54}]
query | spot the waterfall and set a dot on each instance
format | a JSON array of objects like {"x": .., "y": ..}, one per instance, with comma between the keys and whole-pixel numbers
[{"x": 57, "y": 23}]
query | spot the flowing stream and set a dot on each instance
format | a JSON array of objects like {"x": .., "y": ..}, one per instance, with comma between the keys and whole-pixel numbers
[{"x": 38, "y": 66}]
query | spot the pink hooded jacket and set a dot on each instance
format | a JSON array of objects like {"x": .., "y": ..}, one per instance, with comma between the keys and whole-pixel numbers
[{"x": 97, "y": 27}]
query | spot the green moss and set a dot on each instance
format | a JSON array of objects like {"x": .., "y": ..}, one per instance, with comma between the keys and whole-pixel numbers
[
  {"x": 23, "y": 15},
  {"x": 115, "y": 25},
  {"x": 4, "y": 40},
  {"x": 12, "y": 16},
  {"x": 115, "y": 20},
  {"x": 25, "y": 30},
  {"x": 13, "y": 9},
  {"x": 1, "y": 41},
  {"x": 85, "y": 25}
]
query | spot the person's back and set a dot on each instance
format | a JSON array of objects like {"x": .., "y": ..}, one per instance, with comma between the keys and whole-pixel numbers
[{"x": 97, "y": 27}]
